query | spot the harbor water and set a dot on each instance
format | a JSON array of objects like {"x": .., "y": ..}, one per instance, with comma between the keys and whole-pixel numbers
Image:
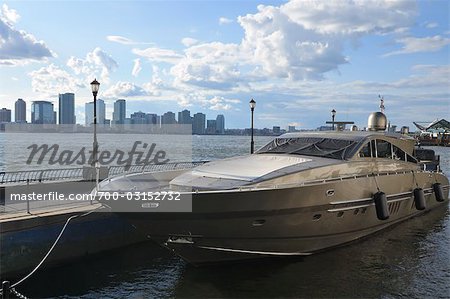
[{"x": 411, "y": 260}]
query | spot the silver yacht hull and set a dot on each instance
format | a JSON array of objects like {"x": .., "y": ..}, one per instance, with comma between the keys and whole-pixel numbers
[{"x": 297, "y": 221}]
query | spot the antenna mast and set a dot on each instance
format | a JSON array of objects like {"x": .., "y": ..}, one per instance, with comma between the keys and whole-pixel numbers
[{"x": 381, "y": 103}]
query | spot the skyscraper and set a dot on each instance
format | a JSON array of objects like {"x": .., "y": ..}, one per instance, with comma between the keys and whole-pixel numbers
[
  {"x": 138, "y": 118},
  {"x": 89, "y": 112},
  {"x": 20, "y": 112},
  {"x": 42, "y": 113},
  {"x": 119, "y": 112},
  {"x": 220, "y": 124},
  {"x": 66, "y": 108},
  {"x": 211, "y": 127},
  {"x": 5, "y": 115},
  {"x": 184, "y": 117},
  {"x": 152, "y": 118},
  {"x": 168, "y": 118},
  {"x": 198, "y": 123}
]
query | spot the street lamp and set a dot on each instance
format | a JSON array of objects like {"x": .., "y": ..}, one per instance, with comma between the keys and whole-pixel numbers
[
  {"x": 95, "y": 85},
  {"x": 333, "y": 114},
  {"x": 252, "y": 109}
]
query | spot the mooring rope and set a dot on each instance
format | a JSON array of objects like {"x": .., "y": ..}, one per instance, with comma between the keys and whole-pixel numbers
[{"x": 11, "y": 288}]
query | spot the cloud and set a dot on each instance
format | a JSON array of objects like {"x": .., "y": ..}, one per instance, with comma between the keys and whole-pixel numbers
[
  {"x": 299, "y": 40},
  {"x": 18, "y": 47},
  {"x": 51, "y": 80},
  {"x": 9, "y": 15},
  {"x": 158, "y": 55},
  {"x": 124, "y": 40},
  {"x": 223, "y": 21},
  {"x": 97, "y": 64},
  {"x": 125, "y": 89},
  {"x": 430, "y": 25},
  {"x": 351, "y": 16},
  {"x": 221, "y": 103},
  {"x": 188, "y": 41},
  {"x": 136, "y": 68},
  {"x": 420, "y": 44}
]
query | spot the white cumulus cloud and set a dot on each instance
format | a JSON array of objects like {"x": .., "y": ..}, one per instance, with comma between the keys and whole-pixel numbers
[
  {"x": 51, "y": 80},
  {"x": 97, "y": 63},
  {"x": 18, "y": 47},
  {"x": 223, "y": 21},
  {"x": 189, "y": 41},
  {"x": 158, "y": 54},
  {"x": 125, "y": 89}
]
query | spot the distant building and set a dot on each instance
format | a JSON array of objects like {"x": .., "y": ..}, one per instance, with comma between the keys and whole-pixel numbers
[
  {"x": 67, "y": 108},
  {"x": 291, "y": 129},
  {"x": 120, "y": 108},
  {"x": 220, "y": 124},
  {"x": 184, "y": 117},
  {"x": 42, "y": 113},
  {"x": 276, "y": 130},
  {"x": 168, "y": 118},
  {"x": 5, "y": 115},
  {"x": 89, "y": 112},
  {"x": 211, "y": 127},
  {"x": 138, "y": 118},
  {"x": 198, "y": 123},
  {"x": 20, "y": 111},
  {"x": 152, "y": 119}
]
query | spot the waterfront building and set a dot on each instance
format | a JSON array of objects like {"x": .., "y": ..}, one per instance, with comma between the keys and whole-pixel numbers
[
  {"x": 5, "y": 115},
  {"x": 152, "y": 118},
  {"x": 220, "y": 124},
  {"x": 42, "y": 112},
  {"x": 139, "y": 118},
  {"x": 184, "y": 117},
  {"x": 198, "y": 123},
  {"x": 89, "y": 112},
  {"x": 119, "y": 112},
  {"x": 211, "y": 127},
  {"x": 20, "y": 111},
  {"x": 66, "y": 108},
  {"x": 276, "y": 130},
  {"x": 291, "y": 129},
  {"x": 168, "y": 118}
]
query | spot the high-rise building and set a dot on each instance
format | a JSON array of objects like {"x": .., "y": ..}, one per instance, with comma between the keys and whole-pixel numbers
[
  {"x": 138, "y": 118},
  {"x": 184, "y": 117},
  {"x": 20, "y": 111},
  {"x": 198, "y": 123},
  {"x": 5, "y": 115},
  {"x": 211, "y": 127},
  {"x": 220, "y": 124},
  {"x": 42, "y": 113},
  {"x": 120, "y": 108},
  {"x": 291, "y": 129},
  {"x": 89, "y": 112},
  {"x": 152, "y": 118},
  {"x": 168, "y": 118},
  {"x": 67, "y": 108},
  {"x": 276, "y": 130}
]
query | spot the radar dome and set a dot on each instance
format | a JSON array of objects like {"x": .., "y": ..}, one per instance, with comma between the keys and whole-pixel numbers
[{"x": 377, "y": 122}]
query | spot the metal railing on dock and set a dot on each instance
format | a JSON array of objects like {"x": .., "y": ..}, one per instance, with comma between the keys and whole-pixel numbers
[{"x": 49, "y": 175}]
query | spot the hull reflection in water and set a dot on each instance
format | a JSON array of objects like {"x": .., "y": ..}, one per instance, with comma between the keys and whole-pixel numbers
[{"x": 300, "y": 194}]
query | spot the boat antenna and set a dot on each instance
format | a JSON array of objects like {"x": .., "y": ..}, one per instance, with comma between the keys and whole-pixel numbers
[{"x": 381, "y": 103}]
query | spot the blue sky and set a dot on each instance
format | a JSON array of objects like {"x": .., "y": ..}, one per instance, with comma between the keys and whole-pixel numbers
[{"x": 297, "y": 59}]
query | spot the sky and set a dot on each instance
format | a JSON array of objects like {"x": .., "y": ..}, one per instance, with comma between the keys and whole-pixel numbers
[{"x": 297, "y": 59}]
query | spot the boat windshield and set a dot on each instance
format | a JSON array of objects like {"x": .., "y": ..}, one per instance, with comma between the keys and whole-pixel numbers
[{"x": 341, "y": 149}]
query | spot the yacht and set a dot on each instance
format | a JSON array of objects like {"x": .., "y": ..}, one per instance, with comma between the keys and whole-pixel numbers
[{"x": 300, "y": 194}]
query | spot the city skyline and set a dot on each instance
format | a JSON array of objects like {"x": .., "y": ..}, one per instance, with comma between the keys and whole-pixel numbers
[{"x": 297, "y": 59}]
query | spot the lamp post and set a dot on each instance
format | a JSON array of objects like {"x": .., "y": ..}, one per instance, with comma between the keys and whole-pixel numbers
[
  {"x": 333, "y": 114},
  {"x": 95, "y": 85},
  {"x": 252, "y": 109}
]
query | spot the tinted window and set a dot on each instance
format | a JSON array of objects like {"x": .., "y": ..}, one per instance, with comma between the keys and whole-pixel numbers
[
  {"x": 365, "y": 151},
  {"x": 383, "y": 149},
  {"x": 312, "y": 146},
  {"x": 398, "y": 154}
]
